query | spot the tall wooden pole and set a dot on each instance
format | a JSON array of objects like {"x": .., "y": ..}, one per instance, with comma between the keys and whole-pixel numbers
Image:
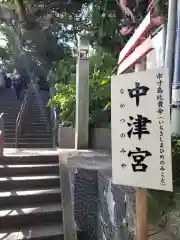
[{"x": 141, "y": 193}]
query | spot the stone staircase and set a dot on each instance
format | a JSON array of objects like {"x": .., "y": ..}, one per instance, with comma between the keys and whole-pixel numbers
[
  {"x": 37, "y": 130},
  {"x": 10, "y": 106},
  {"x": 32, "y": 205},
  {"x": 30, "y": 199}
]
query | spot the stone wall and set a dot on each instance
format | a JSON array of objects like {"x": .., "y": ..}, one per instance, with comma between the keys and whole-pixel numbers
[
  {"x": 116, "y": 210},
  {"x": 85, "y": 198},
  {"x": 99, "y": 138},
  {"x": 104, "y": 210}
]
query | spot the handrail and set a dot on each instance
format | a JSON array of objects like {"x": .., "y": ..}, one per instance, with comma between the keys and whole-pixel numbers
[
  {"x": 54, "y": 121},
  {"x": 20, "y": 116},
  {"x": 1, "y": 133}
]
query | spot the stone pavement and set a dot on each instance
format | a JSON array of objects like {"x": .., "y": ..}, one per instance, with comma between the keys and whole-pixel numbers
[
  {"x": 29, "y": 151},
  {"x": 88, "y": 159}
]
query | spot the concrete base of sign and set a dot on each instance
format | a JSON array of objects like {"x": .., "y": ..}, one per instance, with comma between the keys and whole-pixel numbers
[
  {"x": 116, "y": 209},
  {"x": 102, "y": 209},
  {"x": 99, "y": 138},
  {"x": 99, "y": 206}
]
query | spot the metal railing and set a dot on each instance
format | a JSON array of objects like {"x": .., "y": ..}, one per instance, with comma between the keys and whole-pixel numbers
[
  {"x": 54, "y": 122},
  {"x": 20, "y": 117},
  {"x": 1, "y": 133}
]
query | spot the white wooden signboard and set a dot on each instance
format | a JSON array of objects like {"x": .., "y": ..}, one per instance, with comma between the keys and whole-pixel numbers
[{"x": 140, "y": 116}]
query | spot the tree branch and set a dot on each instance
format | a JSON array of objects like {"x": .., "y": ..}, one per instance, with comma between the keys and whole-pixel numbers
[{"x": 21, "y": 10}]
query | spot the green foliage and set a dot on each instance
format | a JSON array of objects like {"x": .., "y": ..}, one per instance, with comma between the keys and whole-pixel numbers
[
  {"x": 105, "y": 27},
  {"x": 167, "y": 202},
  {"x": 163, "y": 7},
  {"x": 101, "y": 67},
  {"x": 52, "y": 25},
  {"x": 64, "y": 71},
  {"x": 65, "y": 100}
]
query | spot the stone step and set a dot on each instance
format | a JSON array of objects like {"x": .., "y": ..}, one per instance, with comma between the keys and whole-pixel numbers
[
  {"x": 13, "y": 134},
  {"x": 37, "y": 124},
  {"x": 32, "y": 135},
  {"x": 10, "y": 117},
  {"x": 36, "y": 109},
  {"x": 33, "y": 159},
  {"x": 38, "y": 127},
  {"x": 9, "y": 131},
  {"x": 34, "y": 145},
  {"x": 34, "y": 141},
  {"x": 37, "y": 112},
  {"x": 35, "y": 119},
  {"x": 10, "y": 102},
  {"x": 7, "y": 170},
  {"x": 10, "y": 135},
  {"x": 28, "y": 182},
  {"x": 40, "y": 108},
  {"x": 29, "y": 197},
  {"x": 50, "y": 232},
  {"x": 38, "y": 117},
  {"x": 32, "y": 131},
  {"x": 9, "y": 140},
  {"x": 39, "y": 136},
  {"x": 10, "y": 113},
  {"x": 9, "y": 145},
  {"x": 29, "y": 130},
  {"x": 9, "y": 124},
  {"x": 11, "y": 109},
  {"x": 36, "y": 131},
  {"x": 31, "y": 216}
]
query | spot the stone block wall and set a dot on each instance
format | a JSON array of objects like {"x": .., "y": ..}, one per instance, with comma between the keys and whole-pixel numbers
[
  {"x": 99, "y": 138},
  {"x": 104, "y": 210},
  {"x": 85, "y": 198},
  {"x": 116, "y": 218}
]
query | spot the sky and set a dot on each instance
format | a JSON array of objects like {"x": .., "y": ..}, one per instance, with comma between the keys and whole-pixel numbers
[{"x": 2, "y": 41}]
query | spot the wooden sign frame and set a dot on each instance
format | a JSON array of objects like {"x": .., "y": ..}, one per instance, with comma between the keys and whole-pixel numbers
[{"x": 134, "y": 53}]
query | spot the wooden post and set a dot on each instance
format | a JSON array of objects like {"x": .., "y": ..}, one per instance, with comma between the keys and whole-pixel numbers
[
  {"x": 141, "y": 193},
  {"x": 82, "y": 97},
  {"x": 127, "y": 58}
]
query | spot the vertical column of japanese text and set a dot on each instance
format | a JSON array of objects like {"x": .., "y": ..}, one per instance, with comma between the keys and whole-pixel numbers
[{"x": 160, "y": 110}]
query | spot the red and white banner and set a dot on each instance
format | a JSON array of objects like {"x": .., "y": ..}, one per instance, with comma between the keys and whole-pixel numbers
[{"x": 139, "y": 52}]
